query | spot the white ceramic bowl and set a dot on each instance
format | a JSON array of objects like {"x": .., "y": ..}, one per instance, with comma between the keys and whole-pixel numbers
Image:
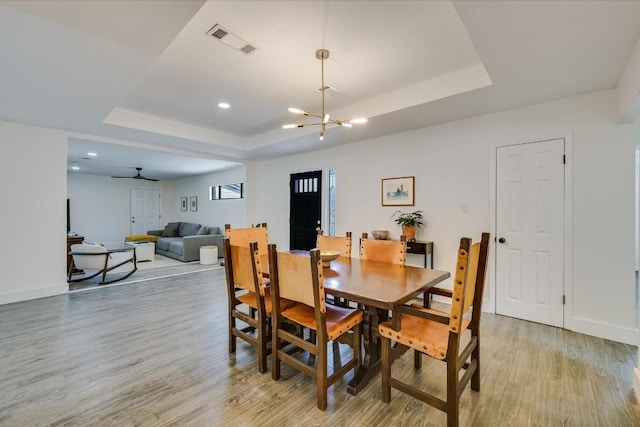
[
  {"x": 380, "y": 234},
  {"x": 328, "y": 256}
]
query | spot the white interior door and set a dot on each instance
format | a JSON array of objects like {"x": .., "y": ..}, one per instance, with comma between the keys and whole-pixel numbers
[
  {"x": 145, "y": 210},
  {"x": 529, "y": 231}
]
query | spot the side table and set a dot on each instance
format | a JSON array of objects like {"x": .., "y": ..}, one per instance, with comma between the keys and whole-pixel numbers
[
  {"x": 422, "y": 248},
  {"x": 145, "y": 251}
]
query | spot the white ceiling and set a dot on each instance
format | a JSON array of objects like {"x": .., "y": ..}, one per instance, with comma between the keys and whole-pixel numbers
[{"x": 128, "y": 76}]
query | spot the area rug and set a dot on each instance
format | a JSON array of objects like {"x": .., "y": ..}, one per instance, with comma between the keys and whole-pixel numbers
[{"x": 160, "y": 267}]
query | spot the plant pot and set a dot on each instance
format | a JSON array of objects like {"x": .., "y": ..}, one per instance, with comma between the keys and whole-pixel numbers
[{"x": 409, "y": 231}]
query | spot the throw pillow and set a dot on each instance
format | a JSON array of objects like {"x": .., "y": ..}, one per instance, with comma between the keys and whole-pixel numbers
[
  {"x": 171, "y": 230},
  {"x": 203, "y": 230}
]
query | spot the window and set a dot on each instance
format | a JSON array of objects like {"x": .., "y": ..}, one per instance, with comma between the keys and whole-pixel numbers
[
  {"x": 332, "y": 202},
  {"x": 227, "y": 191}
]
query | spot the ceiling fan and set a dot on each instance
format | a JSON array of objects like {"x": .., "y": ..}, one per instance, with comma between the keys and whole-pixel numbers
[{"x": 137, "y": 176}]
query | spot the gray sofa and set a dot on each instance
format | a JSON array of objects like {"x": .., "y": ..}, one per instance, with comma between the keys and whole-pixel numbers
[{"x": 182, "y": 240}]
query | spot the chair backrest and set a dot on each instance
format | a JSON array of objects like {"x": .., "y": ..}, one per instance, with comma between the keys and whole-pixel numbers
[
  {"x": 334, "y": 243},
  {"x": 298, "y": 277},
  {"x": 89, "y": 262},
  {"x": 389, "y": 251},
  {"x": 243, "y": 267},
  {"x": 244, "y": 236},
  {"x": 468, "y": 284}
]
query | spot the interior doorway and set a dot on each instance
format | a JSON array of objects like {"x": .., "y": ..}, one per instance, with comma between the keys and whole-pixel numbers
[
  {"x": 530, "y": 231},
  {"x": 305, "y": 206},
  {"x": 145, "y": 210}
]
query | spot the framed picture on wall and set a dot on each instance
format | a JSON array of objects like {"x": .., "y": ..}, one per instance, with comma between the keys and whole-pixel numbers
[
  {"x": 398, "y": 191},
  {"x": 183, "y": 203},
  {"x": 194, "y": 203}
]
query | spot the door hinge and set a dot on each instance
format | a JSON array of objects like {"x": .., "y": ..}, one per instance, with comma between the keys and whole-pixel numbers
[
  {"x": 564, "y": 299},
  {"x": 564, "y": 159}
]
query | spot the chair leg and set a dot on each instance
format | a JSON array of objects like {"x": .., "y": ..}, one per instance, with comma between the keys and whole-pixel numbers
[
  {"x": 321, "y": 373},
  {"x": 475, "y": 355},
  {"x": 386, "y": 370},
  {"x": 275, "y": 350},
  {"x": 452, "y": 391},
  {"x": 232, "y": 337},
  {"x": 262, "y": 345},
  {"x": 417, "y": 359}
]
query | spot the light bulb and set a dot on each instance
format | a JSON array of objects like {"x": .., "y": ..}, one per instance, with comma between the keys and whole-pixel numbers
[
  {"x": 289, "y": 126},
  {"x": 296, "y": 110},
  {"x": 358, "y": 121}
]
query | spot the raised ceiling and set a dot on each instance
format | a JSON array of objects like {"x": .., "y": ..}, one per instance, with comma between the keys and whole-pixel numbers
[{"x": 145, "y": 74}]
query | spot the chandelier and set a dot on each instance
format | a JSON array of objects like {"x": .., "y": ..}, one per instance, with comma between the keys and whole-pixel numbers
[{"x": 325, "y": 118}]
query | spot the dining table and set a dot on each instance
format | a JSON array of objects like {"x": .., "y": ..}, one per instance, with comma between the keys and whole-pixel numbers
[{"x": 378, "y": 287}]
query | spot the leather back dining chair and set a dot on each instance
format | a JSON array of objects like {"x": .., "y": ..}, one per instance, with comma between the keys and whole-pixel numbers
[
  {"x": 339, "y": 244},
  {"x": 389, "y": 251},
  {"x": 243, "y": 236},
  {"x": 299, "y": 278},
  {"x": 439, "y": 335},
  {"x": 249, "y": 299},
  {"x": 335, "y": 243}
]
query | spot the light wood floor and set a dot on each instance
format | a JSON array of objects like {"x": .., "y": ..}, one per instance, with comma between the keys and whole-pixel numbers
[{"x": 155, "y": 354}]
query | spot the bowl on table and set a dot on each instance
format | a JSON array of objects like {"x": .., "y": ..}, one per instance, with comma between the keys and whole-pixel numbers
[
  {"x": 380, "y": 234},
  {"x": 328, "y": 256}
]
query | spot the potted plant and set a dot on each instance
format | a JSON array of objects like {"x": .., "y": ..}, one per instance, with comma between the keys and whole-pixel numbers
[{"x": 409, "y": 222}]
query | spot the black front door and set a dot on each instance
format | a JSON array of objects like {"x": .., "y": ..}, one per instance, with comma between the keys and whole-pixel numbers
[{"x": 305, "y": 200}]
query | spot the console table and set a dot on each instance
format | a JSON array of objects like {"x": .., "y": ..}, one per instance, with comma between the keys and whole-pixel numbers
[{"x": 421, "y": 248}]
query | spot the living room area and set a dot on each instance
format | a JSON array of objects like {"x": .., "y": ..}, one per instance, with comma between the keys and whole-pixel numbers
[{"x": 106, "y": 211}]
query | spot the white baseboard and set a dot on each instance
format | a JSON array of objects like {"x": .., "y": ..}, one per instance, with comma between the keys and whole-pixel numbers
[
  {"x": 603, "y": 330},
  {"x": 29, "y": 294}
]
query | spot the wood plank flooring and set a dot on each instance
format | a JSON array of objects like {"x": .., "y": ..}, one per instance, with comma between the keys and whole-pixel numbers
[{"x": 155, "y": 353}]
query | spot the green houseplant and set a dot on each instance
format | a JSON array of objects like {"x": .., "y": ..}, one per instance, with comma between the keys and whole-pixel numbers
[{"x": 409, "y": 221}]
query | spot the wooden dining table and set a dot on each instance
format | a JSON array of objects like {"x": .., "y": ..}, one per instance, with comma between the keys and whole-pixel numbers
[{"x": 379, "y": 287}]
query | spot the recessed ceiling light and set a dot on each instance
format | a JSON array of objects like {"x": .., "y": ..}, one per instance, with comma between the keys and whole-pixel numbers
[
  {"x": 223, "y": 105},
  {"x": 91, "y": 154}
]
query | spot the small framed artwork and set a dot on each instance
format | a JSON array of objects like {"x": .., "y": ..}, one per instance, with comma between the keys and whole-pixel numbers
[
  {"x": 193, "y": 200},
  {"x": 398, "y": 191},
  {"x": 183, "y": 203}
]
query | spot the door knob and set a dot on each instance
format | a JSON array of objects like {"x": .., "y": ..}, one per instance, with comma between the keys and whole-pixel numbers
[{"x": 502, "y": 240}]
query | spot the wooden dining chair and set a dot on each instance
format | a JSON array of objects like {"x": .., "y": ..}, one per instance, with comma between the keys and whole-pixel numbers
[
  {"x": 246, "y": 289},
  {"x": 243, "y": 236},
  {"x": 438, "y": 336},
  {"x": 335, "y": 243},
  {"x": 299, "y": 278},
  {"x": 389, "y": 251},
  {"x": 339, "y": 244}
]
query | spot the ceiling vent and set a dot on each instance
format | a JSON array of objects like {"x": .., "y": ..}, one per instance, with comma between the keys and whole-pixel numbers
[{"x": 222, "y": 34}]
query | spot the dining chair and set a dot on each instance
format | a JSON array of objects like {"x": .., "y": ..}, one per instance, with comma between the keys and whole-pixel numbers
[
  {"x": 243, "y": 236},
  {"x": 249, "y": 300},
  {"x": 299, "y": 278},
  {"x": 389, "y": 251},
  {"x": 339, "y": 244},
  {"x": 335, "y": 243},
  {"x": 439, "y": 336}
]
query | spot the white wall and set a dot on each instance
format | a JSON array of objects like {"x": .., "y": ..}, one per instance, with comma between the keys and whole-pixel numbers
[
  {"x": 212, "y": 213},
  {"x": 100, "y": 206},
  {"x": 451, "y": 164},
  {"x": 33, "y": 193}
]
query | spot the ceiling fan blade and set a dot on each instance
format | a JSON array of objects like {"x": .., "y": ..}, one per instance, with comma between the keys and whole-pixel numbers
[{"x": 136, "y": 176}]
